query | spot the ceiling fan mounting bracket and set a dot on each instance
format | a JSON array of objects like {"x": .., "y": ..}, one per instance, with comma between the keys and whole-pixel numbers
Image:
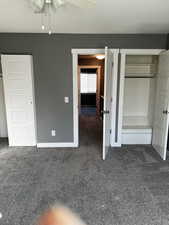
[{"x": 48, "y": 1}]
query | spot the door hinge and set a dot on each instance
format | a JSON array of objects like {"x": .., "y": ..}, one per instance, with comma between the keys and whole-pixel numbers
[
  {"x": 110, "y": 131},
  {"x": 165, "y": 111}
]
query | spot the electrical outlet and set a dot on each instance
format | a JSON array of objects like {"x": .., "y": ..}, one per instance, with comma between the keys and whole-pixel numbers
[{"x": 53, "y": 133}]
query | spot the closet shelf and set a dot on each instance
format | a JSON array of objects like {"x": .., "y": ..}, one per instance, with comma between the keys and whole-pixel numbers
[
  {"x": 137, "y": 127},
  {"x": 143, "y": 69}
]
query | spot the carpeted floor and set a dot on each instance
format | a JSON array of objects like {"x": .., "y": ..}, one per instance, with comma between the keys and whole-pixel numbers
[{"x": 130, "y": 188}]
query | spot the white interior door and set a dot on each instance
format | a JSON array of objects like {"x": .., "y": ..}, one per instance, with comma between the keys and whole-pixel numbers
[
  {"x": 107, "y": 101},
  {"x": 19, "y": 99},
  {"x": 161, "y": 117}
]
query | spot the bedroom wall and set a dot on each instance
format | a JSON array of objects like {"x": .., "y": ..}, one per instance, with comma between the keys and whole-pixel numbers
[{"x": 53, "y": 71}]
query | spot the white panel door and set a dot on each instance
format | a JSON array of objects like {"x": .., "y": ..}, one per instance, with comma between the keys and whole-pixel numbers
[
  {"x": 19, "y": 99},
  {"x": 161, "y": 117},
  {"x": 107, "y": 101}
]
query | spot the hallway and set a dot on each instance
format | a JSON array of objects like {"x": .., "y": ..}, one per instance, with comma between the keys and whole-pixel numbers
[{"x": 90, "y": 129}]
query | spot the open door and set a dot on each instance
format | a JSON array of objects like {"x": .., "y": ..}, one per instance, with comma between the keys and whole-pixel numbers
[
  {"x": 107, "y": 101},
  {"x": 161, "y": 117}
]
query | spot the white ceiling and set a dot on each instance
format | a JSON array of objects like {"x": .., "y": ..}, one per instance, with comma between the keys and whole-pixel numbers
[{"x": 108, "y": 16}]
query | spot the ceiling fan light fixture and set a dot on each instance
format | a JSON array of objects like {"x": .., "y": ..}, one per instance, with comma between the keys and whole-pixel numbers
[
  {"x": 48, "y": 1},
  {"x": 100, "y": 57},
  {"x": 47, "y": 7}
]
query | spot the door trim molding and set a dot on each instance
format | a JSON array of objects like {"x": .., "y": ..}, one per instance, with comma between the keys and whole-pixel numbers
[
  {"x": 75, "y": 53},
  {"x": 141, "y": 51},
  {"x": 89, "y": 51}
]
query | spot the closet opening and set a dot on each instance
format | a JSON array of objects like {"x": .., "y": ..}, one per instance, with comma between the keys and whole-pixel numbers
[
  {"x": 139, "y": 98},
  {"x": 91, "y": 100}
]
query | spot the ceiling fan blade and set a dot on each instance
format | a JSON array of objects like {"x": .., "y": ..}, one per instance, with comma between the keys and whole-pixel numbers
[
  {"x": 37, "y": 5},
  {"x": 82, "y": 3},
  {"x": 58, "y": 3}
]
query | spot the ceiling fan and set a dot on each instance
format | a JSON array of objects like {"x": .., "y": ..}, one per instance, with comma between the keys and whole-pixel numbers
[
  {"x": 44, "y": 7},
  {"x": 40, "y": 5}
]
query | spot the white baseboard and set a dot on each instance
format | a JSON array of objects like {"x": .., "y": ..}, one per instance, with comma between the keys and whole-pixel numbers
[
  {"x": 136, "y": 139},
  {"x": 57, "y": 145},
  {"x": 115, "y": 145}
]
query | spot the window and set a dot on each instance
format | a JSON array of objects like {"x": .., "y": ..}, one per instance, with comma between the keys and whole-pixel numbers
[{"x": 88, "y": 83}]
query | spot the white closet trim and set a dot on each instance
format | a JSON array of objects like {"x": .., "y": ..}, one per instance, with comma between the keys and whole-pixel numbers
[{"x": 141, "y": 51}]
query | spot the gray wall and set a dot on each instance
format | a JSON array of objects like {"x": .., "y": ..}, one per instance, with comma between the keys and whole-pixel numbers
[{"x": 53, "y": 71}]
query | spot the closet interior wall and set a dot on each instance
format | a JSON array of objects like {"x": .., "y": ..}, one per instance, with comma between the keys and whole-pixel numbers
[{"x": 139, "y": 98}]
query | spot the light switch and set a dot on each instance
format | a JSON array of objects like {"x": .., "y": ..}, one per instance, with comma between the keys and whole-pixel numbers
[
  {"x": 66, "y": 99},
  {"x": 53, "y": 133}
]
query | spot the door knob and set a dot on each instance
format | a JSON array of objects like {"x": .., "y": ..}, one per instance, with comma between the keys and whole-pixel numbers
[
  {"x": 105, "y": 111},
  {"x": 165, "y": 111}
]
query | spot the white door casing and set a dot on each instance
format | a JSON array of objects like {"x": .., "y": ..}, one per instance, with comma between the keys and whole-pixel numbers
[
  {"x": 107, "y": 101},
  {"x": 121, "y": 97},
  {"x": 19, "y": 99},
  {"x": 3, "y": 123},
  {"x": 115, "y": 99},
  {"x": 75, "y": 53},
  {"x": 161, "y": 114}
]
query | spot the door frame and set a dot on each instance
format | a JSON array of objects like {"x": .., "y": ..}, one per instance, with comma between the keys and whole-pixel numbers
[
  {"x": 124, "y": 53},
  {"x": 3, "y": 120},
  {"x": 75, "y": 53},
  {"x": 98, "y": 68}
]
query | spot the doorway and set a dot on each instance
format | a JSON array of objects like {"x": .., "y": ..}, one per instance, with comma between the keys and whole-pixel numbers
[
  {"x": 88, "y": 89},
  {"x": 107, "y": 99},
  {"x": 91, "y": 84},
  {"x": 144, "y": 114},
  {"x": 91, "y": 91}
]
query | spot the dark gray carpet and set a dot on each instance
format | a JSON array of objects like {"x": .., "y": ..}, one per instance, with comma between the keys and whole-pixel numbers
[{"x": 130, "y": 188}]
